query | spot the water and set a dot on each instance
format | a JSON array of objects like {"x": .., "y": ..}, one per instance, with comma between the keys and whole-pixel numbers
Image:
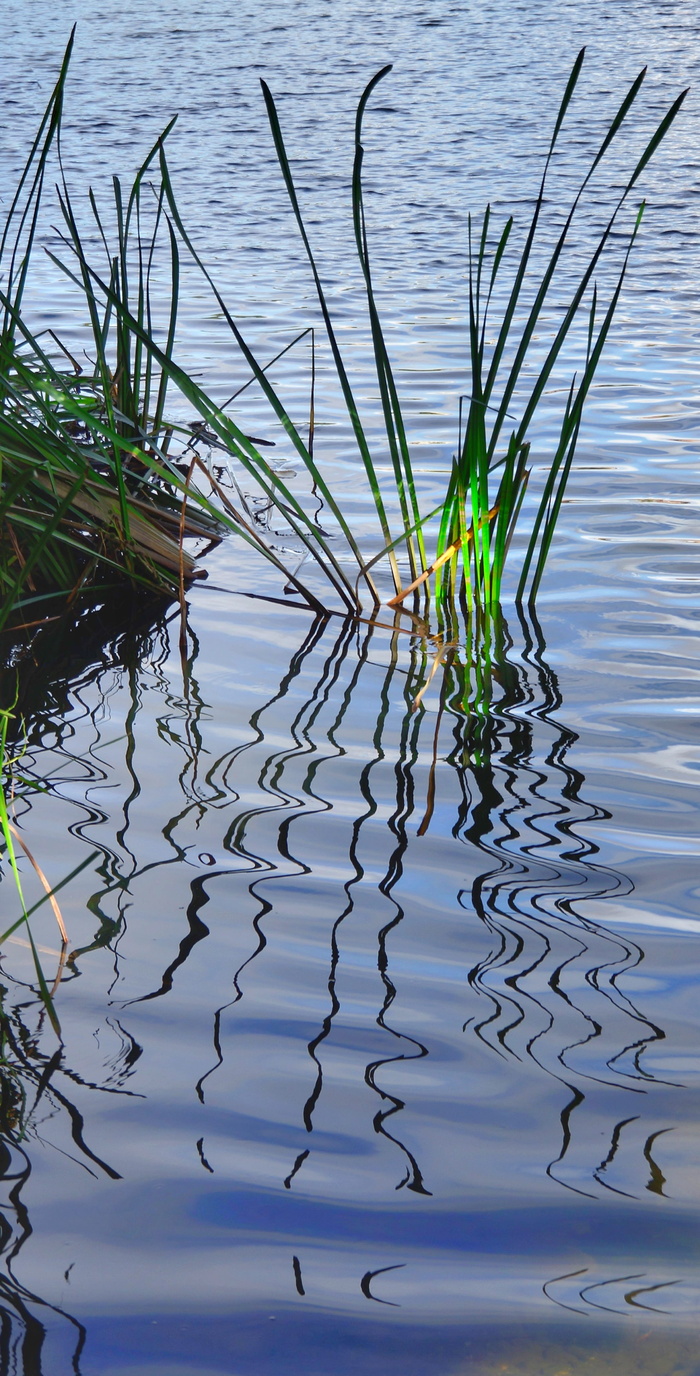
[{"x": 381, "y": 1038}]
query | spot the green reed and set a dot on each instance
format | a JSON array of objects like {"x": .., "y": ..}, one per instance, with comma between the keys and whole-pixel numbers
[
  {"x": 87, "y": 498},
  {"x": 485, "y": 494},
  {"x": 98, "y": 484},
  {"x": 15, "y": 788}
]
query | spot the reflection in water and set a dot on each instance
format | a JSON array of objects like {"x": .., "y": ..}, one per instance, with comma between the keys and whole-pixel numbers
[
  {"x": 350, "y": 738},
  {"x": 36, "y": 1337},
  {"x": 550, "y": 980}
]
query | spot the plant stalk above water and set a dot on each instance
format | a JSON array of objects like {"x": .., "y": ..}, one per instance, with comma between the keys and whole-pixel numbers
[
  {"x": 91, "y": 488},
  {"x": 488, "y": 483}
]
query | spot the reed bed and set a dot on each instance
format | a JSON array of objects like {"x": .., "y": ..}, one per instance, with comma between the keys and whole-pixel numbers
[
  {"x": 483, "y": 503},
  {"x": 98, "y": 485}
]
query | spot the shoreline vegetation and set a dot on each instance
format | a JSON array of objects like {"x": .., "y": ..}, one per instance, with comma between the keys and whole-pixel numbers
[{"x": 99, "y": 488}]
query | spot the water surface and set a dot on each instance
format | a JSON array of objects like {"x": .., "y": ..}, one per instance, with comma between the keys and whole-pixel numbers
[{"x": 381, "y": 1036}]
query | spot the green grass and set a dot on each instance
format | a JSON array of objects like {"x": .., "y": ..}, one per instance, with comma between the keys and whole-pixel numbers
[
  {"x": 13, "y": 786},
  {"x": 485, "y": 495},
  {"x": 99, "y": 485},
  {"x": 86, "y": 497}
]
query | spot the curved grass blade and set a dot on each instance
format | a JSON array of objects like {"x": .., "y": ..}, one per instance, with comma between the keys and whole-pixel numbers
[
  {"x": 393, "y": 419},
  {"x": 278, "y": 408},
  {"x": 349, "y": 398}
]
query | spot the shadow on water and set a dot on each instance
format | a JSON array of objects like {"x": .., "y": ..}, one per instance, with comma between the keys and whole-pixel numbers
[{"x": 493, "y": 757}]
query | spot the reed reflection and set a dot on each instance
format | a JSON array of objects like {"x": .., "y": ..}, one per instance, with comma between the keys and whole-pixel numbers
[
  {"x": 550, "y": 980},
  {"x": 549, "y": 984},
  {"x": 37, "y": 1338},
  {"x": 47, "y": 677},
  {"x": 409, "y": 1048},
  {"x": 371, "y": 734}
]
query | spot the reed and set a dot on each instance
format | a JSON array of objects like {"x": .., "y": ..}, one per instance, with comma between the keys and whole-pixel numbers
[
  {"x": 458, "y": 551},
  {"x": 485, "y": 494},
  {"x": 98, "y": 484},
  {"x": 80, "y": 508},
  {"x": 12, "y": 788}
]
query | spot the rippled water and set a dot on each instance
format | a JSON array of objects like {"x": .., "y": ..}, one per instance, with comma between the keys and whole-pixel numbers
[{"x": 381, "y": 1038}]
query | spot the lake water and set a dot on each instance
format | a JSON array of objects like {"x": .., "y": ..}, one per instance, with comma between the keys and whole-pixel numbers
[{"x": 381, "y": 1039}]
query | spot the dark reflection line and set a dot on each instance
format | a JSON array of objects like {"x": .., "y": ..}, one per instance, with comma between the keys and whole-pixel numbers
[
  {"x": 369, "y": 1277},
  {"x": 198, "y": 930},
  {"x": 431, "y": 789},
  {"x": 116, "y": 883},
  {"x": 22, "y": 1333},
  {"x": 124, "y": 1062},
  {"x": 16, "y": 1298},
  {"x": 657, "y": 1180},
  {"x": 269, "y": 782},
  {"x": 601, "y": 1284},
  {"x": 77, "y": 1079},
  {"x": 632, "y": 954},
  {"x": 570, "y": 1275},
  {"x": 631, "y": 1296},
  {"x": 43, "y": 1082},
  {"x": 614, "y": 1144},
  {"x": 273, "y": 766},
  {"x": 202, "y": 1157},
  {"x": 577, "y": 1098},
  {"x": 77, "y": 1123},
  {"x": 296, "y": 1167},
  {"x": 315, "y": 1043},
  {"x": 296, "y": 1266},
  {"x": 511, "y": 812},
  {"x": 405, "y": 802},
  {"x": 413, "y": 1178}
]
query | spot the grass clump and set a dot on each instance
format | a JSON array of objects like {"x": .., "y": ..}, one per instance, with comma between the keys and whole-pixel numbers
[
  {"x": 87, "y": 500},
  {"x": 484, "y": 498},
  {"x": 98, "y": 484}
]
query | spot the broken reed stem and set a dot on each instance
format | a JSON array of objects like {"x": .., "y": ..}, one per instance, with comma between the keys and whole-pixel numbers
[
  {"x": 444, "y": 557},
  {"x": 47, "y": 887}
]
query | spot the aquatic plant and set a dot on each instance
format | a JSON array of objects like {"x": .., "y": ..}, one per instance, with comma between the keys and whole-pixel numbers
[
  {"x": 483, "y": 503},
  {"x": 487, "y": 485},
  {"x": 99, "y": 484},
  {"x": 79, "y": 505}
]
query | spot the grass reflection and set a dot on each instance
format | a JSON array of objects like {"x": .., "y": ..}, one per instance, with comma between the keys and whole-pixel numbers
[
  {"x": 357, "y": 763},
  {"x": 550, "y": 983}
]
